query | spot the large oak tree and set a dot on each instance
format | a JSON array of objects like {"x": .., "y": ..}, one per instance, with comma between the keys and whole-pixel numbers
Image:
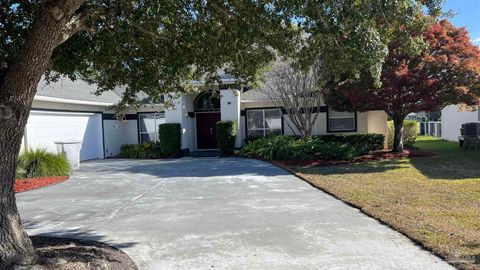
[
  {"x": 158, "y": 46},
  {"x": 446, "y": 71}
]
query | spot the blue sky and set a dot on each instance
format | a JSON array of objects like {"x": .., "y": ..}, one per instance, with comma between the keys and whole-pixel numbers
[{"x": 467, "y": 14}]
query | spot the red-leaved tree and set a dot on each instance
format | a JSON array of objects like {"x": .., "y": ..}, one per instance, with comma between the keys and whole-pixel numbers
[{"x": 446, "y": 71}]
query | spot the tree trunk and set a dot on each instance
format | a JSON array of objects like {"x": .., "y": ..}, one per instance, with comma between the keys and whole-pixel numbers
[
  {"x": 15, "y": 245},
  {"x": 398, "y": 136},
  {"x": 17, "y": 90}
]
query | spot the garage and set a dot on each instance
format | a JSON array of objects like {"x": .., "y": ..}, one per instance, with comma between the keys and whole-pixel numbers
[{"x": 44, "y": 128}]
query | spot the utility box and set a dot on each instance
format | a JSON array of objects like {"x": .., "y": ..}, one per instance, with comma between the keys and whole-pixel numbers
[
  {"x": 470, "y": 135},
  {"x": 71, "y": 150}
]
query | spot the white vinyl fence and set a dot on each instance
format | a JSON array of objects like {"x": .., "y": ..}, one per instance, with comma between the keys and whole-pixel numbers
[{"x": 431, "y": 129}]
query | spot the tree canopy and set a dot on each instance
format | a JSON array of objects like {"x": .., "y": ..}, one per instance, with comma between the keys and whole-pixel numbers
[
  {"x": 159, "y": 46},
  {"x": 446, "y": 71}
]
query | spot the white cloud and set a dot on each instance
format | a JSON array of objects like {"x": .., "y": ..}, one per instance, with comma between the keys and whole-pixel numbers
[{"x": 476, "y": 41}]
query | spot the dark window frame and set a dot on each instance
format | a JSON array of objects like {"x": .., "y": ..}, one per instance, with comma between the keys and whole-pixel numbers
[
  {"x": 263, "y": 109},
  {"x": 329, "y": 130}
]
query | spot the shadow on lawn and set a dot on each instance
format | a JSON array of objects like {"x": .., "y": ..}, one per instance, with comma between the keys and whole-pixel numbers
[
  {"x": 361, "y": 167},
  {"x": 450, "y": 162}
]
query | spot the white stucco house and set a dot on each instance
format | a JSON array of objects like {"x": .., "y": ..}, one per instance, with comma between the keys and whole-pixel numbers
[
  {"x": 69, "y": 111},
  {"x": 453, "y": 118}
]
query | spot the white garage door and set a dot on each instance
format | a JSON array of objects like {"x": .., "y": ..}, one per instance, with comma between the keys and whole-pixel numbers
[{"x": 44, "y": 128}]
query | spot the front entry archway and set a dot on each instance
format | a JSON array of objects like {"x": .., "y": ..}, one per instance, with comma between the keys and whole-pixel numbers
[{"x": 207, "y": 114}]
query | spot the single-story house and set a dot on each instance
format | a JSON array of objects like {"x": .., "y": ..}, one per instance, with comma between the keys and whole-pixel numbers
[
  {"x": 69, "y": 111},
  {"x": 453, "y": 118}
]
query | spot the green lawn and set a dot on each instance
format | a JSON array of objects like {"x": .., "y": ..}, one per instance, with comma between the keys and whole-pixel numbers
[{"x": 434, "y": 200}]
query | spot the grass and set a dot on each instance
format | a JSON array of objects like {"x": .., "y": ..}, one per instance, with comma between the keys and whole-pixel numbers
[
  {"x": 40, "y": 163},
  {"x": 433, "y": 200}
]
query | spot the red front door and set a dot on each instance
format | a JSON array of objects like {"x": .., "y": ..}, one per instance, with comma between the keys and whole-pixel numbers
[{"x": 207, "y": 130}]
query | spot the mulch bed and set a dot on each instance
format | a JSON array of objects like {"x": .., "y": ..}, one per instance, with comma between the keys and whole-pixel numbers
[
  {"x": 380, "y": 155},
  {"x": 72, "y": 254},
  {"x": 22, "y": 185}
]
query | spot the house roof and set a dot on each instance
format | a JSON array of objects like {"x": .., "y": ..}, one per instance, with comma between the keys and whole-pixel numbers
[
  {"x": 75, "y": 90},
  {"x": 79, "y": 90},
  {"x": 254, "y": 95}
]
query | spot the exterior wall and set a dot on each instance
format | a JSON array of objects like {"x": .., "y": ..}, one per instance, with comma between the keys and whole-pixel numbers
[
  {"x": 452, "y": 120},
  {"x": 230, "y": 109},
  {"x": 367, "y": 122},
  {"x": 177, "y": 113},
  {"x": 377, "y": 123},
  {"x": 117, "y": 133}
]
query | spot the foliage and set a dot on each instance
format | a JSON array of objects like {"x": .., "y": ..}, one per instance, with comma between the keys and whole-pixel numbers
[
  {"x": 410, "y": 132},
  {"x": 159, "y": 46},
  {"x": 170, "y": 139},
  {"x": 226, "y": 133},
  {"x": 336, "y": 151},
  {"x": 280, "y": 147},
  {"x": 446, "y": 71},
  {"x": 141, "y": 151},
  {"x": 292, "y": 148},
  {"x": 40, "y": 163},
  {"x": 363, "y": 143}
]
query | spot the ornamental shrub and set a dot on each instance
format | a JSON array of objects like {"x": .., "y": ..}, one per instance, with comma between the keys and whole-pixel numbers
[
  {"x": 410, "y": 132},
  {"x": 170, "y": 139},
  {"x": 141, "y": 151},
  {"x": 40, "y": 163},
  {"x": 337, "y": 151},
  {"x": 363, "y": 143},
  {"x": 226, "y": 134},
  {"x": 292, "y": 148}
]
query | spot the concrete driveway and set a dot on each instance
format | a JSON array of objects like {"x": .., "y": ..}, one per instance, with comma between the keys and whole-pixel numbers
[{"x": 222, "y": 213}]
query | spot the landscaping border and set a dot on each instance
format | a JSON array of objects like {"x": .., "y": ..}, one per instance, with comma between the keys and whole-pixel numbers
[{"x": 22, "y": 185}]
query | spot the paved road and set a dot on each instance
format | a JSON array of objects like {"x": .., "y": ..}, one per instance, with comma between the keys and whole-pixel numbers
[{"x": 213, "y": 213}]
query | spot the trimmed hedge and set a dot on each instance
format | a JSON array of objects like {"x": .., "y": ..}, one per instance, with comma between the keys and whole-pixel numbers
[
  {"x": 410, "y": 131},
  {"x": 329, "y": 147},
  {"x": 363, "y": 143},
  {"x": 292, "y": 148},
  {"x": 226, "y": 134},
  {"x": 141, "y": 151},
  {"x": 40, "y": 163},
  {"x": 170, "y": 139}
]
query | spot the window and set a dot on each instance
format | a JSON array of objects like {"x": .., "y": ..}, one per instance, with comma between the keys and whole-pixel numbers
[
  {"x": 207, "y": 101},
  {"x": 264, "y": 122},
  {"x": 341, "y": 121},
  {"x": 148, "y": 125}
]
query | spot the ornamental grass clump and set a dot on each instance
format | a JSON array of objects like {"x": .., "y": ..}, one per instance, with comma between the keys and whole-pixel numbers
[{"x": 40, "y": 163}]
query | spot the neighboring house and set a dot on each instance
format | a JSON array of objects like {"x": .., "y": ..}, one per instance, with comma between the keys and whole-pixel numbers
[
  {"x": 453, "y": 118},
  {"x": 419, "y": 116},
  {"x": 69, "y": 111}
]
